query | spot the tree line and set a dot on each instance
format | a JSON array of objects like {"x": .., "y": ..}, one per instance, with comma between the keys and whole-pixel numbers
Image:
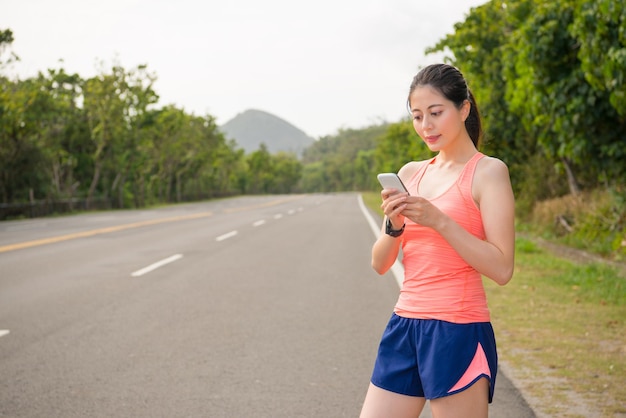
[
  {"x": 549, "y": 78},
  {"x": 103, "y": 139}
]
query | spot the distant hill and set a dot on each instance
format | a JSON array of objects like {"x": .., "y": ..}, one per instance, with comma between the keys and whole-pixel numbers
[{"x": 253, "y": 127}]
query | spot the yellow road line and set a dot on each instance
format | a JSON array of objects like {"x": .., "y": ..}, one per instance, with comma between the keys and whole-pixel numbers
[
  {"x": 51, "y": 240},
  {"x": 263, "y": 205}
]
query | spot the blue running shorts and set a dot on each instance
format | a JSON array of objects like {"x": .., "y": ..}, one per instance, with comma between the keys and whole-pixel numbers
[{"x": 432, "y": 358}]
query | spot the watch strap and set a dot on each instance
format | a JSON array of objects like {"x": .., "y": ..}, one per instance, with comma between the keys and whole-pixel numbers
[{"x": 393, "y": 232}]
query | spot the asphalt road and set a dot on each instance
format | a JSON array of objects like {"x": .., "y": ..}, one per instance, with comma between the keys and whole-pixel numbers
[{"x": 255, "y": 307}]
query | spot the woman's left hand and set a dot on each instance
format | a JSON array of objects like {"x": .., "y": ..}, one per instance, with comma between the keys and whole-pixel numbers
[{"x": 421, "y": 211}]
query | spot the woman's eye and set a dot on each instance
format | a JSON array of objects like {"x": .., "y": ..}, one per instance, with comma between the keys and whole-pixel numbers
[
  {"x": 436, "y": 113},
  {"x": 417, "y": 118}
]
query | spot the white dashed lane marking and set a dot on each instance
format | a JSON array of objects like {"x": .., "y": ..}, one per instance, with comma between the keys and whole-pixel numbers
[
  {"x": 156, "y": 265},
  {"x": 257, "y": 223},
  {"x": 226, "y": 236}
]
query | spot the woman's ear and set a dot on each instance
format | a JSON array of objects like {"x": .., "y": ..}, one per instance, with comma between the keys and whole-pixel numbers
[{"x": 465, "y": 109}]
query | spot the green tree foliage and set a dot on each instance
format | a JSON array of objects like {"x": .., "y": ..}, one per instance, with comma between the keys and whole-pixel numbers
[
  {"x": 287, "y": 171},
  {"x": 6, "y": 39},
  {"x": 547, "y": 89},
  {"x": 104, "y": 140},
  {"x": 267, "y": 173},
  {"x": 600, "y": 29},
  {"x": 478, "y": 45},
  {"x": 24, "y": 119},
  {"x": 573, "y": 122},
  {"x": 63, "y": 131},
  {"x": 104, "y": 109},
  {"x": 341, "y": 162},
  {"x": 260, "y": 171}
]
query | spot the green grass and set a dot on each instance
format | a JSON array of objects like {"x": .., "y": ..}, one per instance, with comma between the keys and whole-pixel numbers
[{"x": 561, "y": 327}]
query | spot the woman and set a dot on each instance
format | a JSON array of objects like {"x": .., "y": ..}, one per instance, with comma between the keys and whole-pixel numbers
[{"x": 455, "y": 224}]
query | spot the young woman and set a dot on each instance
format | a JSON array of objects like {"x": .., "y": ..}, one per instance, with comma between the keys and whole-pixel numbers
[{"x": 455, "y": 224}]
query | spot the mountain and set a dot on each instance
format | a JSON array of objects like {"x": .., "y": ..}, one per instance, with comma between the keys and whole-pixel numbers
[{"x": 253, "y": 127}]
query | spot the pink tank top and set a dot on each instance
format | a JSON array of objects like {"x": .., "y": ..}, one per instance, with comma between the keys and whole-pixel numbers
[{"x": 438, "y": 283}]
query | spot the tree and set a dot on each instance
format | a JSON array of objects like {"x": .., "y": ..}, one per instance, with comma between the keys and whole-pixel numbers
[
  {"x": 535, "y": 92},
  {"x": 337, "y": 163},
  {"x": 260, "y": 170},
  {"x": 19, "y": 151},
  {"x": 363, "y": 178},
  {"x": 64, "y": 141},
  {"x": 287, "y": 171},
  {"x": 478, "y": 45},
  {"x": 6, "y": 40},
  {"x": 166, "y": 149},
  {"x": 573, "y": 122},
  {"x": 598, "y": 27},
  {"x": 138, "y": 95},
  {"x": 105, "y": 110},
  {"x": 21, "y": 148}
]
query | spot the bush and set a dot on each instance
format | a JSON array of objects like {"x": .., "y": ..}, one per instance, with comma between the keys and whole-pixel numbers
[{"x": 594, "y": 221}]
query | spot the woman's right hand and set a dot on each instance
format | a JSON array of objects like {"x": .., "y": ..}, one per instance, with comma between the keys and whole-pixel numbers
[
  {"x": 394, "y": 202},
  {"x": 386, "y": 248}
]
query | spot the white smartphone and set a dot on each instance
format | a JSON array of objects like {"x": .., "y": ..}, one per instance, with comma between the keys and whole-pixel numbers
[{"x": 391, "y": 181}]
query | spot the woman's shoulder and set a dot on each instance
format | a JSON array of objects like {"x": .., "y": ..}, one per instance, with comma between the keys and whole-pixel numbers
[
  {"x": 489, "y": 166},
  {"x": 491, "y": 173},
  {"x": 409, "y": 169}
]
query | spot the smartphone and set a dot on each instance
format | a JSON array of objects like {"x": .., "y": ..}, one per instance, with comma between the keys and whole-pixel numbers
[{"x": 391, "y": 181}]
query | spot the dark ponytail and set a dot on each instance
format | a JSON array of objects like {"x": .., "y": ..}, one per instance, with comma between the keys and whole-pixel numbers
[
  {"x": 473, "y": 123},
  {"x": 449, "y": 81}
]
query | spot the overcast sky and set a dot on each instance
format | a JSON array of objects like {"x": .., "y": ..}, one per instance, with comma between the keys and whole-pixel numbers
[{"x": 321, "y": 65}]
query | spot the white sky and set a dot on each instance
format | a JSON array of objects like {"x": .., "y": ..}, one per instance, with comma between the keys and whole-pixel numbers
[{"x": 321, "y": 65}]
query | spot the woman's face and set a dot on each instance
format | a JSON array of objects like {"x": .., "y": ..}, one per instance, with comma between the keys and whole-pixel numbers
[{"x": 436, "y": 119}]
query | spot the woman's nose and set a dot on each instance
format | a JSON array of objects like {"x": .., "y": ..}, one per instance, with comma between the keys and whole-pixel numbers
[{"x": 426, "y": 122}]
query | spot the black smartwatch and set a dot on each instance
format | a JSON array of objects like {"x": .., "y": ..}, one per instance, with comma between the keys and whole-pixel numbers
[{"x": 393, "y": 232}]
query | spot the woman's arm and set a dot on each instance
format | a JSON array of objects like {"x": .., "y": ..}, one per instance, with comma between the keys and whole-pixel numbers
[{"x": 386, "y": 248}]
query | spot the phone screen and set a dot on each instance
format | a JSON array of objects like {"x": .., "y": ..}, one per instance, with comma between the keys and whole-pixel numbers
[{"x": 391, "y": 181}]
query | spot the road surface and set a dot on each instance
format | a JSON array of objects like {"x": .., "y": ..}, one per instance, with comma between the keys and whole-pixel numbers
[{"x": 256, "y": 306}]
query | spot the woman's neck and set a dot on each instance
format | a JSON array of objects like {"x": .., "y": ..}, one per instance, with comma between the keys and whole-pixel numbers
[{"x": 457, "y": 154}]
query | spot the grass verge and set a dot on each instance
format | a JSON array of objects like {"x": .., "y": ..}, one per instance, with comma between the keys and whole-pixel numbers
[{"x": 561, "y": 328}]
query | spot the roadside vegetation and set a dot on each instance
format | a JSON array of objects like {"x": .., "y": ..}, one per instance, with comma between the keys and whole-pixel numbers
[{"x": 560, "y": 325}]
